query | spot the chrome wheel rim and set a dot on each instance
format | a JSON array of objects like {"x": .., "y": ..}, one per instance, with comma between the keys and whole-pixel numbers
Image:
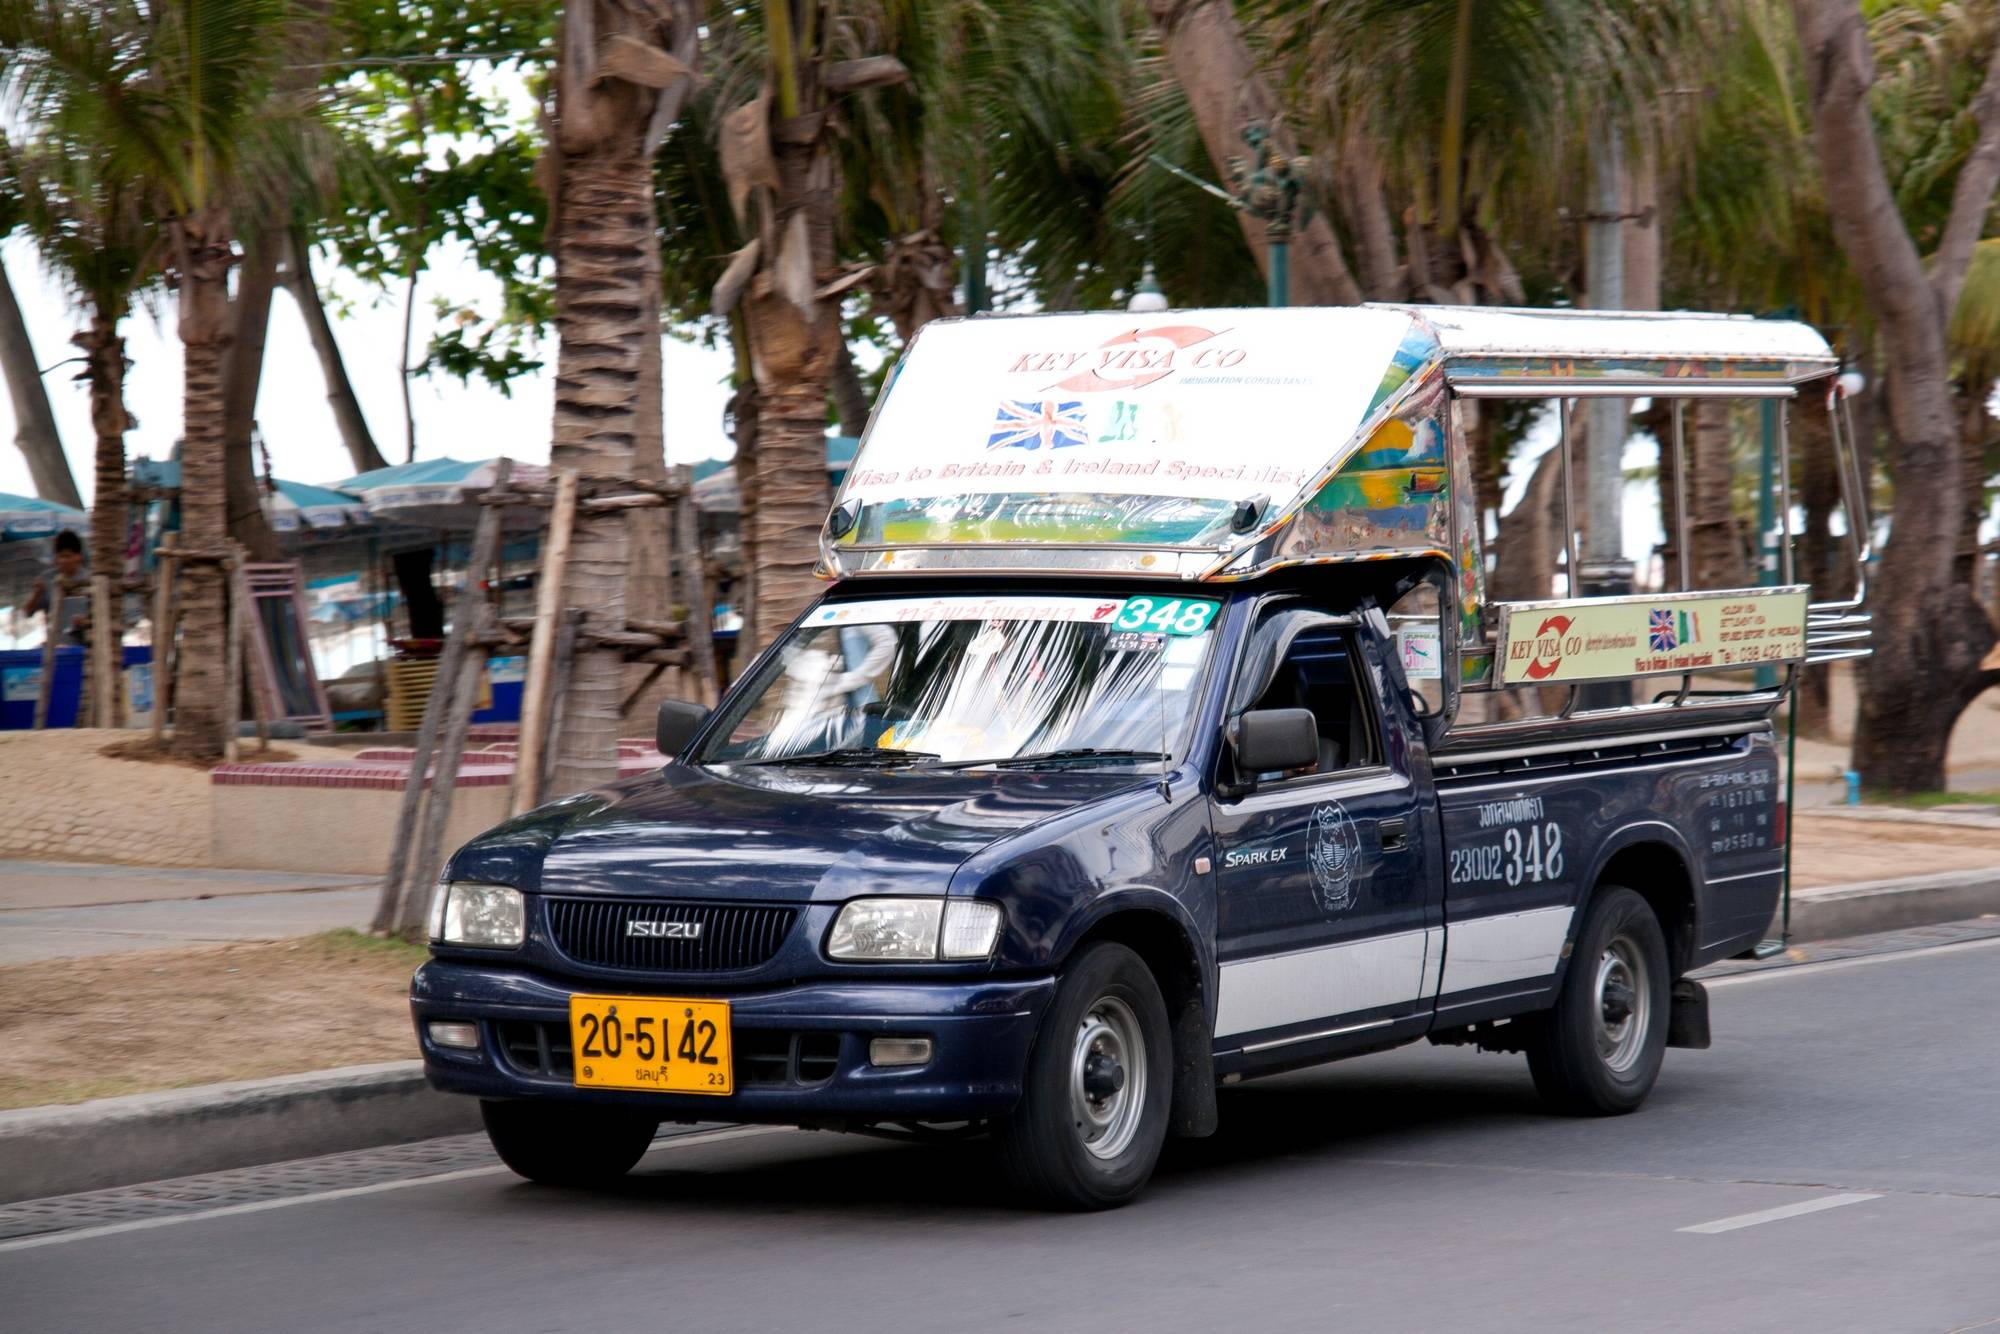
[
  {"x": 1624, "y": 1003},
  {"x": 1107, "y": 1077}
]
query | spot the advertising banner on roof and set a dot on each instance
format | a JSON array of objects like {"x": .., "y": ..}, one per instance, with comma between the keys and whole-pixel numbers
[
  {"x": 1655, "y": 634},
  {"x": 1087, "y": 412}
]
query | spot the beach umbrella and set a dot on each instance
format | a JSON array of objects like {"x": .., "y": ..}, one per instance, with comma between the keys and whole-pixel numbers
[
  {"x": 291, "y": 506},
  {"x": 25, "y": 517},
  {"x": 439, "y": 493}
]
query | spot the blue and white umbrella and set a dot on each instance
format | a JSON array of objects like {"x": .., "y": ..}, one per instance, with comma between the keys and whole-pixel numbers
[
  {"x": 24, "y": 517},
  {"x": 438, "y": 493},
  {"x": 289, "y": 507}
]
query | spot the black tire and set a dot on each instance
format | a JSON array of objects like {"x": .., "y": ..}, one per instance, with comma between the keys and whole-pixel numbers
[
  {"x": 1586, "y": 1060},
  {"x": 1063, "y": 1146},
  {"x": 560, "y": 1144}
]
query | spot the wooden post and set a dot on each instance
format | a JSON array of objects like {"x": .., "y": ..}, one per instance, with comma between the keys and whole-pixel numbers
[
  {"x": 463, "y": 693},
  {"x": 163, "y": 634},
  {"x": 694, "y": 583},
  {"x": 485, "y": 540},
  {"x": 104, "y": 655},
  {"x": 232, "y": 659},
  {"x": 565, "y": 654},
  {"x": 548, "y": 609},
  {"x": 262, "y": 689}
]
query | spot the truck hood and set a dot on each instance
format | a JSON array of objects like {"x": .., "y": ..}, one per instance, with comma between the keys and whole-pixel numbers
[{"x": 762, "y": 832}]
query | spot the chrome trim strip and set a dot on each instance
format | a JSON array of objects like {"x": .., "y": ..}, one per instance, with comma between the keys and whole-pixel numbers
[
  {"x": 1448, "y": 758},
  {"x": 1250, "y": 1047}
]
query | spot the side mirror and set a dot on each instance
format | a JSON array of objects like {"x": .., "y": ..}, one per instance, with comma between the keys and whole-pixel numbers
[
  {"x": 679, "y": 721},
  {"x": 1270, "y": 740}
]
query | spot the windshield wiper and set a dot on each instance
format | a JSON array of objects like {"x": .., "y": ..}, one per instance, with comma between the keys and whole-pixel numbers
[
  {"x": 849, "y": 755},
  {"x": 1063, "y": 756}
]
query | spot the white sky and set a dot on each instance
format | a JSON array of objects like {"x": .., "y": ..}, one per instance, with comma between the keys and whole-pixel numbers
[{"x": 453, "y": 420}]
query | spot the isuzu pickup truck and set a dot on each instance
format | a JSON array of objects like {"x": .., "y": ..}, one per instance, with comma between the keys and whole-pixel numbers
[{"x": 1131, "y": 760}]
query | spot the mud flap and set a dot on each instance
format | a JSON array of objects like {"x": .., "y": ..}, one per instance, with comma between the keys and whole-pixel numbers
[{"x": 1687, "y": 1015}]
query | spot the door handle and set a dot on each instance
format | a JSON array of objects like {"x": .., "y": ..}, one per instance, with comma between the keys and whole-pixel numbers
[{"x": 1395, "y": 834}]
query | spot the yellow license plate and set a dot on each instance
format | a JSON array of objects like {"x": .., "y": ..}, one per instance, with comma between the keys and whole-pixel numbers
[{"x": 654, "y": 1043}]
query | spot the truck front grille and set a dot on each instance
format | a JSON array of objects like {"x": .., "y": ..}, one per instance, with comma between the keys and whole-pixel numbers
[
  {"x": 728, "y": 936},
  {"x": 764, "y": 1057}
]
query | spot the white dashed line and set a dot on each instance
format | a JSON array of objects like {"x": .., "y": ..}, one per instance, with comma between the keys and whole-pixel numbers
[{"x": 1781, "y": 1212}]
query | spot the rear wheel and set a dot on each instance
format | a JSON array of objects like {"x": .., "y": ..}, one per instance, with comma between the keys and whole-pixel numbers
[
  {"x": 1094, "y": 1102},
  {"x": 557, "y": 1144},
  {"x": 1599, "y": 1050}
]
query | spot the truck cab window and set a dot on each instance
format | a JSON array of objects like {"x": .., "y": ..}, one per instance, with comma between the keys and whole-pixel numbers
[{"x": 1316, "y": 669}]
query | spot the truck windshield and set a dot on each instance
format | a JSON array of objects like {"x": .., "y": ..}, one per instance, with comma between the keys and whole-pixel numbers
[{"x": 1015, "y": 680}]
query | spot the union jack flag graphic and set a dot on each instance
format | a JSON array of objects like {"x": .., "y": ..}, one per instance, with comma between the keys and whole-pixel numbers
[
  {"x": 1661, "y": 630},
  {"x": 1039, "y": 424}
]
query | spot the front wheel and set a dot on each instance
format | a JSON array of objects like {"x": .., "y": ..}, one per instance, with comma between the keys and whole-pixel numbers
[
  {"x": 1094, "y": 1102},
  {"x": 557, "y": 1144},
  {"x": 1599, "y": 1050}
]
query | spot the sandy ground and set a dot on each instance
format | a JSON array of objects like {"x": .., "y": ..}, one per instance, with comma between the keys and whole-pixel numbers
[
  {"x": 93, "y": 1028},
  {"x": 1829, "y": 850}
]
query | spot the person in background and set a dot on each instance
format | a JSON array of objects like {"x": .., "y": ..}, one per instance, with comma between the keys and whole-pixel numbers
[{"x": 68, "y": 621}]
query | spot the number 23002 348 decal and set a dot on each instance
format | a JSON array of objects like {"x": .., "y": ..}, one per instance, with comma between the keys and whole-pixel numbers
[{"x": 1525, "y": 854}]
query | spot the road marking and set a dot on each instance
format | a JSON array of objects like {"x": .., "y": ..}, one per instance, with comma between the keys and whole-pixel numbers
[
  {"x": 1832, "y": 965},
  {"x": 1782, "y": 1211},
  {"x": 349, "y": 1192}
]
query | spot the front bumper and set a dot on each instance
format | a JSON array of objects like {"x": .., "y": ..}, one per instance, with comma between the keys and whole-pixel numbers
[{"x": 980, "y": 1033}]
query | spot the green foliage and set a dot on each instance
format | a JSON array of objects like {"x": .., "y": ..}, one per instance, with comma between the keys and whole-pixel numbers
[{"x": 444, "y": 149}]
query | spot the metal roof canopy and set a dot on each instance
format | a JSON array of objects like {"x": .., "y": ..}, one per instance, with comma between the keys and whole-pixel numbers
[{"x": 1513, "y": 352}]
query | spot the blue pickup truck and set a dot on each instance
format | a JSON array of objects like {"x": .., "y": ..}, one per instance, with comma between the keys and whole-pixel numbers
[{"x": 1051, "y": 854}]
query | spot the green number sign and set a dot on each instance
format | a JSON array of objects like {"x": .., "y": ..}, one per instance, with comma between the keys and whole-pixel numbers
[{"x": 1170, "y": 616}]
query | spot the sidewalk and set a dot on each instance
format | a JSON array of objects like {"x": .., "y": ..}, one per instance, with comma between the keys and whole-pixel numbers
[{"x": 53, "y": 910}]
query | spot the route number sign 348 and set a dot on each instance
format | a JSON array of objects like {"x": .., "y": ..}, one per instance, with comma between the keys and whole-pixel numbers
[{"x": 1166, "y": 616}]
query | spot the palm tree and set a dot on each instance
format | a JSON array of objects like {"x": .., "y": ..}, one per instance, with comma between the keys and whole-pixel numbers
[
  {"x": 178, "y": 96},
  {"x": 782, "y": 172},
  {"x": 90, "y": 224},
  {"x": 1925, "y": 611},
  {"x": 623, "y": 73}
]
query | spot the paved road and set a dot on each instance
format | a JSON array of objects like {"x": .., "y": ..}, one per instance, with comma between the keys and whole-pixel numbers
[{"x": 1831, "y": 1164}]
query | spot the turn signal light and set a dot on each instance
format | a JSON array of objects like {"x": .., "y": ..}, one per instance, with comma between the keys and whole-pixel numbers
[{"x": 899, "y": 1051}]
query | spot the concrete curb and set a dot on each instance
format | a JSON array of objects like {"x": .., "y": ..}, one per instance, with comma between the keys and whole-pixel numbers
[
  {"x": 153, "y": 1136},
  {"x": 1891, "y": 905}
]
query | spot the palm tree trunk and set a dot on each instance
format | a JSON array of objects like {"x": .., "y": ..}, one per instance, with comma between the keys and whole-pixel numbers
[
  {"x": 850, "y": 396},
  {"x": 104, "y": 369},
  {"x": 347, "y": 415},
  {"x": 34, "y": 421},
  {"x": 1716, "y": 556},
  {"x": 607, "y": 313},
  {"x": 1228, "y": 93},
  {"x": 242, "y": 372},
  {"x": 104, "y": 358},
  {"x": 789, "y": 483},
  {"x": 202, "y": 710}
]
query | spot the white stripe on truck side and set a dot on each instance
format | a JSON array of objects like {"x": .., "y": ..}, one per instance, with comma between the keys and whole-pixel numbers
[{"x": 1485, "y": 951}]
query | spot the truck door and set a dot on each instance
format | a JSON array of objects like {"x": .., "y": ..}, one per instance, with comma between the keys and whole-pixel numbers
[{"x": 1326, "y": 914}]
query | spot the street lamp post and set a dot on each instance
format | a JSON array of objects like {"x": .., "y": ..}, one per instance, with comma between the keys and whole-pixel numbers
[{"x": 1268, "y": 186}]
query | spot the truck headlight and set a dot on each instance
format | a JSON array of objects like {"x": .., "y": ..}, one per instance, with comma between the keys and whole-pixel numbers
[
  {"x": 463, "y": 913},
  {"x": 914, "y": 930}
]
